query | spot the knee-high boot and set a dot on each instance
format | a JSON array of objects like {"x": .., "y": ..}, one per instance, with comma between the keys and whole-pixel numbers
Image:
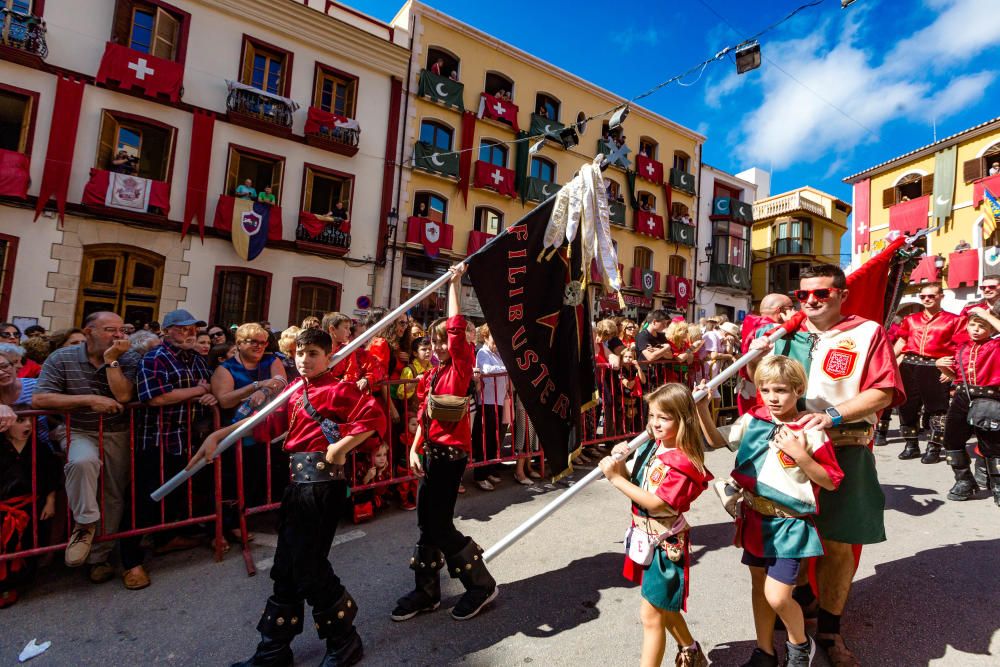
[
  {"x": 335, "y": 624},
  {"x": 965, "y": 485},
  {"x": 936, "y": 442},
  {"x": 911, "y": 448},
  {"x": 468, "y": 566},
  {"x": 426, "y": 596},
  {"x": 278, "y": 626}
]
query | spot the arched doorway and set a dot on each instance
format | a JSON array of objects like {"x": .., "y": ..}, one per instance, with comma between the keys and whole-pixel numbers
[{"x": 121, "y": 279}]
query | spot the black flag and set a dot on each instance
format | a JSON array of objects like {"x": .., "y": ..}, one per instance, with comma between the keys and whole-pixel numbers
[{"x": 536, "y": 305}]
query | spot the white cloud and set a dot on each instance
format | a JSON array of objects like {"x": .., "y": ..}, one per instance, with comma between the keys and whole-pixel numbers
[
  {"x": 716, "y": 90},
  {"x": 839, "y": 92},
  {"x": 634, "y": 36}
]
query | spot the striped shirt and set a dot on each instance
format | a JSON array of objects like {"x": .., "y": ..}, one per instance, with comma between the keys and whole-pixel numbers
[
  {"x": 68, "y": 371},
  {"x": 164, "y": 369}
]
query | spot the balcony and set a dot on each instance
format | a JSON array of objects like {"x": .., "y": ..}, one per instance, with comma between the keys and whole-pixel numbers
[
  {"x": 731, "y": 209},
  {"x": 605, "y": 149},
  {"x": 477, "y": 240},
  {"x": 495, "y": 109},
  {"x": 792, "y": 247},
  {"x": 542, "y": 126},
  {"x": 259, "y": 109},
  {"x": 682, "y": 180},
  {"x": 728, "y": 275},
  {"x": 682, "y": 233},
  {"x": 337, "y": 134},
  {"x": 14, "y": 174},
  {"x": 323, "y": 234},
  {"x": 441, "y": 161},
  {"x": 23, "y": 37},
  {"x": 539, "y": 190},
  {"x": 442, "y": 90},
  {"x": 119, "y": 194},
  {"x": 617, "y": 210},
  {"x": 785, "y": 205}
]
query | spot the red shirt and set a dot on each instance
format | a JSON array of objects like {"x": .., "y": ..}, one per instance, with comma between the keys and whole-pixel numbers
[
  {"x": 350, "y": 369},
  {"x": 979, "y": 363},
  {"x": 29, "y": 370},
  {"x": 452, "y": 378},
  {"x": 335, "y": 399},
  {"x": 931, "y": 335}
]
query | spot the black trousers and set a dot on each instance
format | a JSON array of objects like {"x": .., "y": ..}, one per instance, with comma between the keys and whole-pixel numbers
[
  {"x": 436, "y": 497},
  {"x": 307, "y": 523},
  {"x": 486, "y": 439},
  {"x": 957, "y": 428},
  {"x": 923, "y": 389}
]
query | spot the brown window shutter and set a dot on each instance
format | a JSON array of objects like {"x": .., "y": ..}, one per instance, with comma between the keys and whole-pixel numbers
[
  {"x": 248, "y": 55},
  {"x": 307, "y": 193},
  {"x": 106, "y": 145},
  {"x": 972, "y": 170},
  {"x": 888, "y": 197},
  {"x": 121, "y": 26},
  {"x": 165, "y": 35},
  {"x": 277, "y": 170},
  {"x": 926, "y": 185},
  {"x": 233, "y": 172}
]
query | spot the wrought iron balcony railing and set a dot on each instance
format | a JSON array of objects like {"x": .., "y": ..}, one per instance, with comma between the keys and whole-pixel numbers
[{"x": 24, "y": 32}]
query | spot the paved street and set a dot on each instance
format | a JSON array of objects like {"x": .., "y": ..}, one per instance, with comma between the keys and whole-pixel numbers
[{"x": 926, "y": 597}]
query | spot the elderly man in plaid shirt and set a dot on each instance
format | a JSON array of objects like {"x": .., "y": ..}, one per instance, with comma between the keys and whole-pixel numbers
[{"x": 172, "y": 380}]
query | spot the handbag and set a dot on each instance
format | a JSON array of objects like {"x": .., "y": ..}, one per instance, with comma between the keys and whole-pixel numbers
[
  {"x": 984, "y": 413},
  {"x": 639, "y": 546},
  {"x": 731, "y": 495}
]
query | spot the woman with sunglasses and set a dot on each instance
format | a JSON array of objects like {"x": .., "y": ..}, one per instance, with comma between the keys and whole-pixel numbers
[{"x": 216, "y": 334}]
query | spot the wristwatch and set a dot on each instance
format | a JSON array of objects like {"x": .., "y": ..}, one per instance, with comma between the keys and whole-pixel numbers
[
  {"x": 835, "y": 416},
  {"x": 256, "y": 385},
  {"x": 114, "y": 364}
]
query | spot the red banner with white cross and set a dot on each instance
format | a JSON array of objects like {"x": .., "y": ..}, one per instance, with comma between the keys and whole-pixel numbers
[
  {"x": 127, "y": 68},
  {"x": 493, "y": 177}
]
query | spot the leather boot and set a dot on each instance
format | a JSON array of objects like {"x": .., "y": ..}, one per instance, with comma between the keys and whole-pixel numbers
[
  {"x": 426, "y": 596},
  {"x": 468, "y": 566},
  {"x": 993, "y": 477},
  {"x": 278, "y": 626},
  {"x": 979, "y": 472},
  {"x": 911, "y": 449},
  {"x": 936, "y": 443},
  {"x": 335, "y": 624},
  {"x": 965, "y": 485},
  {"x": 882, "y": 433}
]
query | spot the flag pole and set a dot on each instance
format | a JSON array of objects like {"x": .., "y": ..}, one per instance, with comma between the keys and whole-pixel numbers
[{"x": 791, "y": 325}]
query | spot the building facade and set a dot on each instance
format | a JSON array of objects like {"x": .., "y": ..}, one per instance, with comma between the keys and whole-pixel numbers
[
  {"x": 725, "y": 218},
  {"x": 938, "y": 185},
  {"x": 465, "y": 177},
  {"x": 133, "y": 121},
  {"x": 792, "y": 230}
]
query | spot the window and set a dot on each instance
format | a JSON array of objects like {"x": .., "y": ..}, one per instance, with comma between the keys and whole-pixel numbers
[
  {"x": 496, "y": 83},
  {"x": 730, "y": 243},
  {"x": 607, "y": 133},
  {"x": 17, "y": 114},
  {"x": 614, "y": 190},
  {"x": 335, "y": 92},
  {"x": 435, "y": 305},
  {"x": 131, "y": 144},
  {"x": 313, "y": 296},
  {"x": 493, "y": 152},
  {"x": 681, "y": 161},
  {"x": 442, "y": 62},
  {"x": 647, "y": 147},
  {"x": 547, "y": 106},
  {"x": 678, "y": 211},
  {"x": 647, "y": 201},
  {"x": 266, "y": 67},
  {"x": 793, "y": 236},
  {"x": 677, "y": 266},
  {"x": 323, "y": 188},
  {"x": 908, "y": 188},
  {"x": 436, "y": 134},
  {"x": 261, "y": 169},
  {"x": 121, "y": 279},
  {"x": 240, "y": 295},
  {"x": 8, "y": 255},
  {"x": 543, "y": 169},
  {"x": 430, "y": 205},
  {"x": 785, "y": 276},
  {"x": 642, "y": 258},
  {"x": 722, "y": 190},
  {"x": 488, "y": 220},
  {"x": 151, "y": 26}
]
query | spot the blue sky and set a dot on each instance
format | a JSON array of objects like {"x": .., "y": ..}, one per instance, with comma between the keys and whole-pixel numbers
[{"x": 840, "y": 90}]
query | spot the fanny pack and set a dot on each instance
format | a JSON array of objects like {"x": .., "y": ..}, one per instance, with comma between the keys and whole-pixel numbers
[
  {"x": 447, "y": 407},
  {"x": 984, "y": 413}
]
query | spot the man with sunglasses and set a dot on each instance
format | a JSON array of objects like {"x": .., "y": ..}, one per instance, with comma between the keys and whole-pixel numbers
[
  {"x": 852, "y": 376},
  {"x": 925, "y": 337}
]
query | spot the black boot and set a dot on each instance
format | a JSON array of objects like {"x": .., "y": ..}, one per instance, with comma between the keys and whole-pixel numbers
[
  {"x": 426, "y": 596},
  {"x": 468, "y": 566},
  {"x": 335, "y": 624},
  {"x": 882, "y": 433},
  {"x": 911, "y": 450},
  {"x": 993, "y": 477},
  {"x": 965, "y": 485},
  {"x": 979, "y": 472},
  {"x": 278, "y": 626},
  {"x": 936, "y": 443}
]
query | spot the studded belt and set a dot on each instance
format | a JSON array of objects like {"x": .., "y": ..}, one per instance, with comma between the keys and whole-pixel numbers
[
  {"x": 917, "y": 359},
  {"x": 851, "y": 435},
  {"x": 311, "y": 468},
  {"x": 445, "y": 453},
  {"x": 768, "y": 507},
  {"x": 982, "y": 392}
]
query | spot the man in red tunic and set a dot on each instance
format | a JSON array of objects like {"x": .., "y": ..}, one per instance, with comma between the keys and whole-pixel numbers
[
  {"x": 327, "y": 417},
  {"x": 924, "y": 338}
]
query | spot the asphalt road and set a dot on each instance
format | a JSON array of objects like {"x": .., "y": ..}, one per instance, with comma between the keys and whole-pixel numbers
[{"x": 928, "y": 596}]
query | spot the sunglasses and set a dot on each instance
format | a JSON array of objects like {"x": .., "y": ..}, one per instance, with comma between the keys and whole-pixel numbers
[
  {"x": 8, "y": 334},
  {"x": 821, "y": 294},
  {"x": 255, "y": 343},
  {"x": 216, "y": 334},
  {"x": 989, "y": 287},
  {"x": 926, "y": 297}
]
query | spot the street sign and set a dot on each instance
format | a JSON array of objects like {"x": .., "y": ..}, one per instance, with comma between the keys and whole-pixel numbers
[{"x": 363, "y": 302}]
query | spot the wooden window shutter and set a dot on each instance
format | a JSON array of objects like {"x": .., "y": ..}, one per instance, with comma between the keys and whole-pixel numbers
[
  {"x": 352, "y": 92},
  {"x": 926, "y": 185},
  {"x": 22, "y": 141},
  {"x": 232, "y": 173},
  {"x": 121, "y": 25},
  {"x": 318, "y": 90},
  {"x": 165, "y": 35},
  {"x": 277, "y": 169},
  {"x": 307, "y": 192},
  {"x": 106, "y": 145},
  {"x": 888, "y": 197},
  {"x": 248, "y": 55},
  {"x": 972, "y": 170}
]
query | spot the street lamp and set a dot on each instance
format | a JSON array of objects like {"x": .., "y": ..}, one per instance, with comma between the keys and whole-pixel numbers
[
  {"x": 709, "y": 248},
  {"x": 391, "y": 228}
]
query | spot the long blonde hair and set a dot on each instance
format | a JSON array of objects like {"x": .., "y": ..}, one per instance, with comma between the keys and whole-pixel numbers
[{"x": 675, "y": 400}]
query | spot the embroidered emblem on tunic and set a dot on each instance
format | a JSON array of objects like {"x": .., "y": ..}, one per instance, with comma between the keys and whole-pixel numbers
[
  {"x": 785, "y": 460},
  {"x": 656, "y": 475},
  {"x": 840, "y": 363}
]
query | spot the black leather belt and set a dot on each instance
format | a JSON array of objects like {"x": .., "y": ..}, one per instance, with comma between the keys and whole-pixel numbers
[
  {"x": 918, "y": 359},
  {"x": 312, "y": 468},
  {"x": 981, "y": 392},
  {"x": 444, "y": 453}
]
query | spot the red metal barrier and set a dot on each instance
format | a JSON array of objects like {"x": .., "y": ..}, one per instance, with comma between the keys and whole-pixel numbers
[{"x": 194, "y": 514}]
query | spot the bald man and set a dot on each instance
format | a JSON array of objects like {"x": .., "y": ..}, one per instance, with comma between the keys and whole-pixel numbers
[{"x": 774, "y": 309}]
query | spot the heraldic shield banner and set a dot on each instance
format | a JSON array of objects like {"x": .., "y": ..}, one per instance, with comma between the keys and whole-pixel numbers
[{"x": 536, "y": 306}]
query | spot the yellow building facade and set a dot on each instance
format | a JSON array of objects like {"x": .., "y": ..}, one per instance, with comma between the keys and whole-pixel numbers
[
  {"x": 791, "y": 231},
  {"x": 940, "y": 183},
  {"x": 467, "y": 91}
]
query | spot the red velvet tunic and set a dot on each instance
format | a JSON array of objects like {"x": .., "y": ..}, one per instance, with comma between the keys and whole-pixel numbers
[
  {"x": 335, "y": 399},
  {"x": 978, "y": 363},
  {"x": 930, "y": 336},
  {"x": 453, "y": 378},
  {"x": 351, "y": 369}
]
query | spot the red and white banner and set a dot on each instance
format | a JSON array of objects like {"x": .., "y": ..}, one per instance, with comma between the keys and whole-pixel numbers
[
  {"x": 649, "y": 169},
  {"x": 682, "y": 292},
  {"x": 497, "y": 109},
  {"x": 126, "y": 192},
  {"x": 862, "y": 214},
  {"x": 493, "y": 177},
  {"x": 128, "y": 69},
  {"x": 909, "y": 217},
  {"x": 649, "y": 224},
  {"x": 431, "y": 234}
]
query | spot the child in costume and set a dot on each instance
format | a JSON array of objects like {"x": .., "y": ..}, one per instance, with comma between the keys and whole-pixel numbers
[
  {"x": 438, "y": 456},
  {"x": 327, "y": 417},
  {"x": 779, "y": 469},
  {"x": 668, "y": 473},
  {"x": 976, "y": 367},
  {"x": 632, "y": 379},
  {"x": 371, "y": 470}
]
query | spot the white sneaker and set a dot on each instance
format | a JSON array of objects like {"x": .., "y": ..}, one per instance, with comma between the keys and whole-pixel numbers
[
  {"x": 494, "y": 479},
  {"x": 485, "y": 485}
]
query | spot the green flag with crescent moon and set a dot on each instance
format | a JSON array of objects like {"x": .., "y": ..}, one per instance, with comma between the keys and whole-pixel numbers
[
  {"x": 682, "y": 180},
  {"x": 540, "y": 190},
  {"x": 441, "y": 89},
  {"x": 540, "y": 125},
  {"x": 944, "y": 184},
  {"x": 430, "y": 157}
]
